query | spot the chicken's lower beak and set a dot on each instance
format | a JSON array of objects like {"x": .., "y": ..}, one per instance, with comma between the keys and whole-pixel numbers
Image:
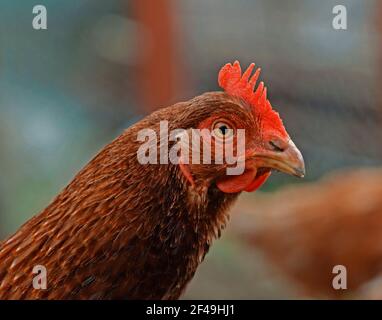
[{"x": 288, "y": 160}]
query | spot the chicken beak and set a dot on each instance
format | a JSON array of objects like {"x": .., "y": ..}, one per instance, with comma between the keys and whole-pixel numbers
[{"x": 288, "y": 160}]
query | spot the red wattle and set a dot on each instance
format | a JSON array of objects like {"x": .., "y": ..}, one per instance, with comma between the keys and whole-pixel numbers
[
  {"x": 234, "y": 184},
  {"x": 257, "y": 183}
]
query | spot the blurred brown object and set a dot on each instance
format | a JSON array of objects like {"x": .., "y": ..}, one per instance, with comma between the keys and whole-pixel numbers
[
  {"x": 159, "y": 72},
  {"x": 378, "y": 27},
  {"x": 308, "y": 229}
]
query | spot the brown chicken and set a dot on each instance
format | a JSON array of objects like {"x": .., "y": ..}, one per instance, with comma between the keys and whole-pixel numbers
[
  {"x": 126, "y": 230},
  {"x": 307, "y": 230}
]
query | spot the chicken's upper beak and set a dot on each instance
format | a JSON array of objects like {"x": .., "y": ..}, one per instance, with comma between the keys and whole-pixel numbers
[{"x": 282, "y": 156}]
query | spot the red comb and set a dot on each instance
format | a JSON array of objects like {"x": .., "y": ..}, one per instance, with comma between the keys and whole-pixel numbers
[{"x": 242, "y": 85}]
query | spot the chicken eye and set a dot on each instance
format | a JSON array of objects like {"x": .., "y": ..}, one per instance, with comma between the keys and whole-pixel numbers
[{"x": 222, "y": 130}]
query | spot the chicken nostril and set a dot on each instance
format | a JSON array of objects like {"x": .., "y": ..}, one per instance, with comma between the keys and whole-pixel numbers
[{"x": 276, "y": 146}]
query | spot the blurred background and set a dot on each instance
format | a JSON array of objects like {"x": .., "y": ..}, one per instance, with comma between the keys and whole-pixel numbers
[{"x": 102, "y": 65}]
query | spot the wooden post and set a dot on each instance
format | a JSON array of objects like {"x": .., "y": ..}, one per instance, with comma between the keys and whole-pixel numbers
[{"x": 159, "y": 74}]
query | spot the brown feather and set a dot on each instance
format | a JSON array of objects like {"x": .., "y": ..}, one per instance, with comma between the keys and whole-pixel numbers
[{"x": 121, "y": 230}]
